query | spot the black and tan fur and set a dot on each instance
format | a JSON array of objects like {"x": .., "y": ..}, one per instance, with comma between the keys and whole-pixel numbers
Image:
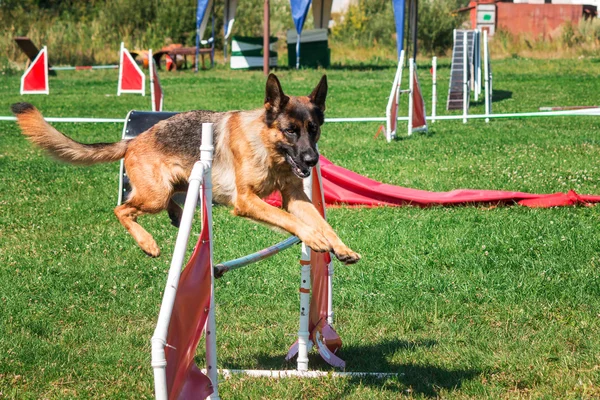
[{"x": 256, "y": 153}]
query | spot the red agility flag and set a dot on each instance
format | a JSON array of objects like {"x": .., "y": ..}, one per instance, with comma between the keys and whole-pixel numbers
[
  {"x": 131, "y": 77},
  {"x": 35, "y": 79},
  {"x": 419, "y": 123}
]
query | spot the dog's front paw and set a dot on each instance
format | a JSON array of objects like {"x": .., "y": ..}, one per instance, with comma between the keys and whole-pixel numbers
[
  {"x": 346, "y": 255},
  {"x": 314, "y": 239},
  {"x": 150, "y": 247}
]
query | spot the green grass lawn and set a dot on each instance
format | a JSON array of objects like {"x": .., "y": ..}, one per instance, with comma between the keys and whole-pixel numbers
[{"x": 461, "y": 302}]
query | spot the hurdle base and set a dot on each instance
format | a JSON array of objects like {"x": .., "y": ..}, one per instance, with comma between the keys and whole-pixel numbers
[{"x": 292, "y": 373}]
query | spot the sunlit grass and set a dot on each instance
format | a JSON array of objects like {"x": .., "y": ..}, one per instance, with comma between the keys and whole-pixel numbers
[{"x": 461, "y": 302}]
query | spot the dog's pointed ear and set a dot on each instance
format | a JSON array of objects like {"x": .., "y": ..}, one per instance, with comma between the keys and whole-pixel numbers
[
  {"x": 275, "y": 99},
  {"x": 319, "y": 94}
]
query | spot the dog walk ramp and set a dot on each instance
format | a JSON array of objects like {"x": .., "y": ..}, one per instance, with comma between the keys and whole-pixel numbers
[{"x": 456, "y": 88}]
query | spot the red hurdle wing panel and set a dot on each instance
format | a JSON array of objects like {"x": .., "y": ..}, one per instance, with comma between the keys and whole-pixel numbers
[
  {"x": 35, "y": 79},
  {"x": 131, "y": 77},
  {"x": 393, "y": 117},
  {"x": 190, "y": 313},
  {"x": 419, "y": 123}
]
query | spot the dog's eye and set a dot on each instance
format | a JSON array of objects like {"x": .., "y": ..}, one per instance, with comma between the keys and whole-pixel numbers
[{"x": 290, "y": 132}]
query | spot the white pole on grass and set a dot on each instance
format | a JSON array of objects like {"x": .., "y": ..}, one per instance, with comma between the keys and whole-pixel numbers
[
  {"x": 465, "y": 79},
  {"x": 159, "y": 339},
  {"x": 434, "y": 88},
  {"x": 411, "y": 88},
  {"x": 486, "y": 75},
  {"x": 303, "y": 341}
]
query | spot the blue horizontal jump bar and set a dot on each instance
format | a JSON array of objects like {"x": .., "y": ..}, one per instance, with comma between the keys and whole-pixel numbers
[{"x": 220, "y": 269}]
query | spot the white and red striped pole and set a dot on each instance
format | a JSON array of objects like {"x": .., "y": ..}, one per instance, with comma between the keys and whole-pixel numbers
[{"x": 303, "y": 333}]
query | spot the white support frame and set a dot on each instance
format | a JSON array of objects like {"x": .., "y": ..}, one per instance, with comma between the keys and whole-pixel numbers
[
  {"x": 304, "y": 345},
  {"x": 47, "y": 90},
  {"x": 122, "y": 51}
]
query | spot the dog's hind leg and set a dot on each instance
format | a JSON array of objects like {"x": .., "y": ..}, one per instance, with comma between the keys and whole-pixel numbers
[
  {"x": 151, "y": 193},
  {"x": 127, "y": 214}
]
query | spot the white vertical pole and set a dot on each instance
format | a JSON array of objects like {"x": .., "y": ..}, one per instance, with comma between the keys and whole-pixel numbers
[
  {"x": 465, "y": 77},
  {"x": 411, "y": 87},
  {"x": 120, "y": 68},
  {"x": 434, "y": 88},
  {"x": 478, "y": 59},
  {"x": 206, "y": 156},
  {"x": 159, "y": 338},
  {"x": 486, "y": 75},
  {"x": 330, "y": 313},
  {"x": 303, "y": 334}
]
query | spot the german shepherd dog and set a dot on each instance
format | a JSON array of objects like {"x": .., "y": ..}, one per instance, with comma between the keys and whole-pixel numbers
[{"x": 256, "y": 153}]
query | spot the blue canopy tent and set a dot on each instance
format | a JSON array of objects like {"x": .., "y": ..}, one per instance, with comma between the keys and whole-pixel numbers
[
  {"x": 299, "y": 12},
  {"x": 201, "y": 21},
  {"x": 399, "y": 8}
]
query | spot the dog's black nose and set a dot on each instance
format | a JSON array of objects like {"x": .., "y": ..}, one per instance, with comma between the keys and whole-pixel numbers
[{"x": 310, "y": 158}]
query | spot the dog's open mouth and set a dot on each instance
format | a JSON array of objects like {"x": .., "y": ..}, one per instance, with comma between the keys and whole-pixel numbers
[{"x": 300, "y": 172}]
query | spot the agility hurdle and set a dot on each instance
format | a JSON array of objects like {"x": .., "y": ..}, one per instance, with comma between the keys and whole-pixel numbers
[
  {"x": 416, "y": 106},
  {"x": 187, "y": 307}
]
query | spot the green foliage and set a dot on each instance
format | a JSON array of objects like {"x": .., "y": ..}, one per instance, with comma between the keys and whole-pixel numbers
[
  {"x": 367, "y": 23},
  {"x": 371, "y": 22},
  {"x": 436, "y": 23}
]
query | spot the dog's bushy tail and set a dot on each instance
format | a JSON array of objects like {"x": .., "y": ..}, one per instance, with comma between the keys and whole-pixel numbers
[{"x": 38, "y": 131}]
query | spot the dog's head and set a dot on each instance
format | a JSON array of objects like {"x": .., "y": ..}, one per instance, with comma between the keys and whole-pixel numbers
[{"x": 296, "y": 122}]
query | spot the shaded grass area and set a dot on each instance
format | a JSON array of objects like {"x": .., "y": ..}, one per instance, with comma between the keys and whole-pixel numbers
[{"x": 461, "y": 302}]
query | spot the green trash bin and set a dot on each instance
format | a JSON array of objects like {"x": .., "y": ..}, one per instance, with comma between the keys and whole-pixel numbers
[
  {"x": 247, "y": 52},
  {"x": 314, "y": 48}
]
